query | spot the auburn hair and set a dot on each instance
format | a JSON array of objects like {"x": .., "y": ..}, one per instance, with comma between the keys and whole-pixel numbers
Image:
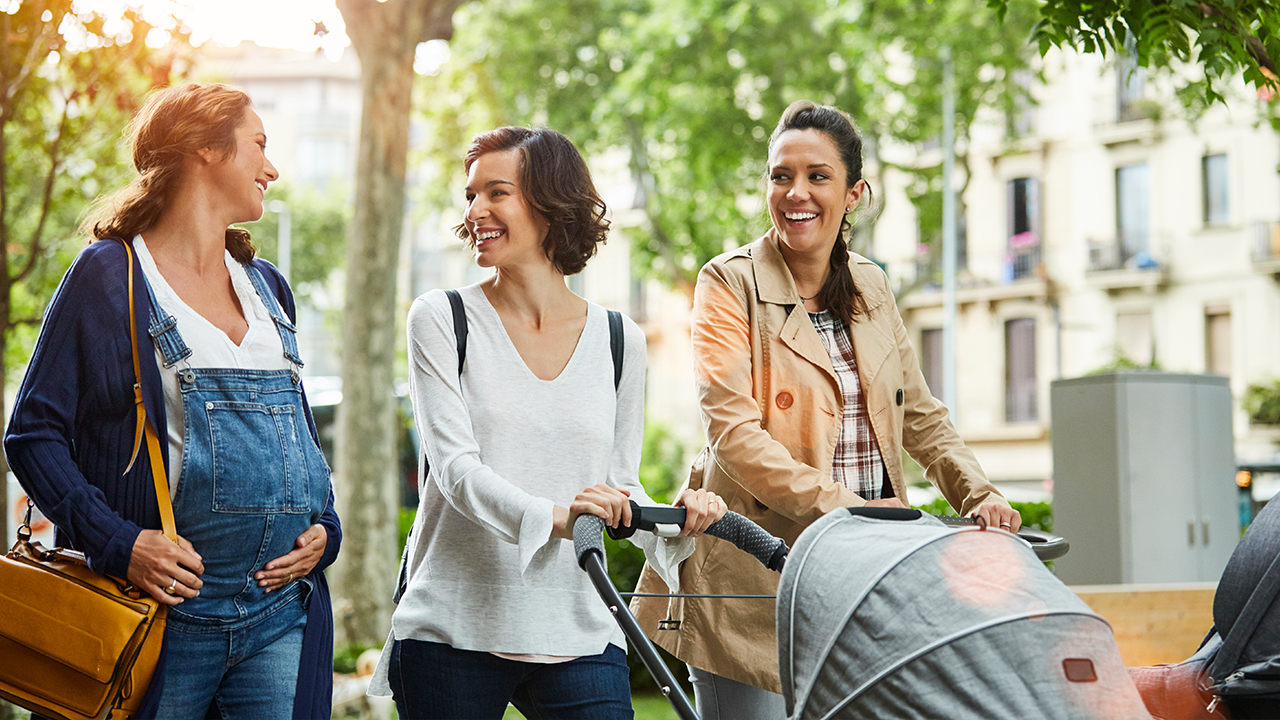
[{"x": 172, "y": 125}]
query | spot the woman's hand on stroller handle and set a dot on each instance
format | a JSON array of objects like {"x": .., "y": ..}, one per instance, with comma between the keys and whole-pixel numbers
[
  {"x": 704, "y": 508},
  {"x": 732, "y": 527},
  {"x": 612, "y": 505}
]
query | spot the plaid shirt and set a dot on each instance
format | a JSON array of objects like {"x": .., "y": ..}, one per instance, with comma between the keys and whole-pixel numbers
[{"x": 857, "y": 464}]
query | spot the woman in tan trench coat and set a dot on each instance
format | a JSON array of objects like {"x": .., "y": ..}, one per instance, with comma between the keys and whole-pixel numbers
[{"x": 809, "y": 390}]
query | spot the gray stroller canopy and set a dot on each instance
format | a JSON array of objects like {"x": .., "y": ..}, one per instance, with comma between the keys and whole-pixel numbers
[{"x": 911, "y": 619}]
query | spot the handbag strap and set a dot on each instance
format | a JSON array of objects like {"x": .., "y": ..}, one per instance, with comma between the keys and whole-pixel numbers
[{"x": 159, "y": 474}]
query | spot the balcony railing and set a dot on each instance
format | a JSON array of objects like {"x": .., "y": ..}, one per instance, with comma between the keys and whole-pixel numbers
[
  {"x": 1266, "y": 241},
  {"x": 1120, "y": 255},
  {"x": 1024, "y": 257},
  {"x": 1118, "y": 265}
]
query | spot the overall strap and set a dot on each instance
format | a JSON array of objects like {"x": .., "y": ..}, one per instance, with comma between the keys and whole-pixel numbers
[
  {"x": 288, "y": 332},
  {"x": 163, "y": 330},
  {"x": 159, "y": 474}
]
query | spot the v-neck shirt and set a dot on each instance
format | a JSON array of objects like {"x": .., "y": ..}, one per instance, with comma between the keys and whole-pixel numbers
[
  {"x": 505, "y": 447},
  {"x": 259, "y": 349}
]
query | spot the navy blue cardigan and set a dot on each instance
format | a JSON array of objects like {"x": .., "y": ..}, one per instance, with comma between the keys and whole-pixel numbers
[{"x": 71, "y": 435}]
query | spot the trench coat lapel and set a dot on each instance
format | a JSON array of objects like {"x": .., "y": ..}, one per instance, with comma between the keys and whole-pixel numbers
[{"x": 774, "y": 285}]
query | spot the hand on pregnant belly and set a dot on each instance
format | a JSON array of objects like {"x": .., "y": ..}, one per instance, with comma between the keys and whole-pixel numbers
[
  {"x": 308, "y": 549},
  {"x": 168, "y": 571}
]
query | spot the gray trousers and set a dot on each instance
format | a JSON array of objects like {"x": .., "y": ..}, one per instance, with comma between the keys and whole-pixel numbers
[{"x": 719, "y": 698}]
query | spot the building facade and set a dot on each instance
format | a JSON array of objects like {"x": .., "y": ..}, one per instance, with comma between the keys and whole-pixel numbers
[{"x": 1113, "y": 231}]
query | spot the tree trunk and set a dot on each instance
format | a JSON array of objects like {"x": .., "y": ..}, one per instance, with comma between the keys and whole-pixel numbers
[
  {"x": 6, "y": 538},
  {"x": 385, "y": 36}
]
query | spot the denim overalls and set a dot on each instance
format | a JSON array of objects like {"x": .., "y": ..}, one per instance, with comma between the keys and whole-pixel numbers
[{"x": 252, "y": 480}]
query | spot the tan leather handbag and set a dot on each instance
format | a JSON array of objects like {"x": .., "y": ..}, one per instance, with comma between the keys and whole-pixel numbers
[{"x": 74, "y": 644}]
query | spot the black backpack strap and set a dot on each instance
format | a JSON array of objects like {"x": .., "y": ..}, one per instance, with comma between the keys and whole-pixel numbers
[
  {"x": 460, "y": 331},
  {"x": 459, "y": 325},
  {"x": 617, "y": 342}
]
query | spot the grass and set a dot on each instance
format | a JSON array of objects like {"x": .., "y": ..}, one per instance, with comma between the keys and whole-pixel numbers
[{"x": 647, "y": 707}]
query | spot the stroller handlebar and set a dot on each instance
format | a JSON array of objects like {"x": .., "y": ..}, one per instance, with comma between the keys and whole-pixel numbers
[
  {"x": 752, "y": 539},
  {"x": 587, "y": 538},
  {"x": 749, "y": 537},
  {"x": 1046, "y": 546},
  {"x": 734, "y": 528}
]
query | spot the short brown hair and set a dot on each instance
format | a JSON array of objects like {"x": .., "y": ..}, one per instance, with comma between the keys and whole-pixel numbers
[
  {"x": 173, "y": 124},
  {"x": 557, "y": 183}
]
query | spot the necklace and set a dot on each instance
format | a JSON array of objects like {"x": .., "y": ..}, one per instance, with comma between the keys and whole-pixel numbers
[{"x": 807, "y": 299}]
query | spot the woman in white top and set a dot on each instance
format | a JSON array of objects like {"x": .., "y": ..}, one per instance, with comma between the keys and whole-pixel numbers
[{"x": 527, "y": 435}]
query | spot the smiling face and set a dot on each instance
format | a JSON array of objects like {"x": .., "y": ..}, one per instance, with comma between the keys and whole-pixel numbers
[
  {"x": 503, "y": 227},
  {"x": 808, "y": 191},
  {"x": 243, "y": 175}
]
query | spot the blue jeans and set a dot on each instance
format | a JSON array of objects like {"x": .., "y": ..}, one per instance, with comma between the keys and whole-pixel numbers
[
  {"x": 247, "y": 672},
  {"x": 433, "y": 681}
]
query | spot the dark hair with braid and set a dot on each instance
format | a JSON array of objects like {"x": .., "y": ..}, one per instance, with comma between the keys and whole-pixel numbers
[
  {"x": 173, "y": 124},
  {"x": 839, "y": 294},
  {"x": 557, "y": 185}
]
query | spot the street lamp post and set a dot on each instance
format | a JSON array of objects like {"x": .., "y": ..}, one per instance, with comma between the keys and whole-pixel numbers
[{"x": 948, "y": 234}]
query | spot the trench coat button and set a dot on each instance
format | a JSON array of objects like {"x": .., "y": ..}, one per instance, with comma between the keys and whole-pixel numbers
[
  {"x": 899, "y": 397},
  {"x": 784, "y": 400}
]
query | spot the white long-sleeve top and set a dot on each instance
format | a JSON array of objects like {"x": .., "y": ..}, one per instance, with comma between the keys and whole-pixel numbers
[{"x": 505, "y": 448}]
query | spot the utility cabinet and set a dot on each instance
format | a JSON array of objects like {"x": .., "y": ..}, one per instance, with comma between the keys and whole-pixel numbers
[{"x": 1143, "y": 477}]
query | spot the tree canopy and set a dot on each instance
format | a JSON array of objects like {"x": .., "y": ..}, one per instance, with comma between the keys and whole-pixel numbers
[
  {"x": 1226, "y": 37},
  {"x": 689, "y": 91}
]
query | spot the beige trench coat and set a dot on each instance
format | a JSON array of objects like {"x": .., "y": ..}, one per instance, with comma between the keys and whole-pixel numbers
[{"x": 771, "y": 408}]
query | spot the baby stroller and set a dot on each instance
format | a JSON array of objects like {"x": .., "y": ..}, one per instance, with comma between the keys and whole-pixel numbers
[
  {"x": 825, "y": 652},
  {"x": 938, "y": 623}
]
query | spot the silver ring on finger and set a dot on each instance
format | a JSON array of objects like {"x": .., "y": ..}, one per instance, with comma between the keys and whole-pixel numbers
[{"x": 1005, "y": 525}]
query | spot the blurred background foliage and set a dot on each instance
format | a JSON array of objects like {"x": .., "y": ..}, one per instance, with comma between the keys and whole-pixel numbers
[{"x": 684, "y": 95}]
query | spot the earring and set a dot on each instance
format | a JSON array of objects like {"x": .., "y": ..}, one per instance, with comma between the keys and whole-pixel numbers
[{"x": 847, "y": 211}]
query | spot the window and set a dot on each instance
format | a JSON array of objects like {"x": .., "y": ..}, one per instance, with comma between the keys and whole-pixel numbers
[
  {"x": 1020, "y": 370},
  {"x": 1131, "y": 79},
  {"x": 1217, "y": 341},
  {"x": 931, "y": 359},
  {"x": 1023, "y": 120},
  {"x": 1133, "y": 211},
  {"x": 322, "y": 159},
  {"x": 929, "y": 259},
  {"x": 1135, "y": 338},
  {"x": 639, "y": 300},
  {"x": 1023, "y": 256},
  {"x": 1213, "y": 175}
]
